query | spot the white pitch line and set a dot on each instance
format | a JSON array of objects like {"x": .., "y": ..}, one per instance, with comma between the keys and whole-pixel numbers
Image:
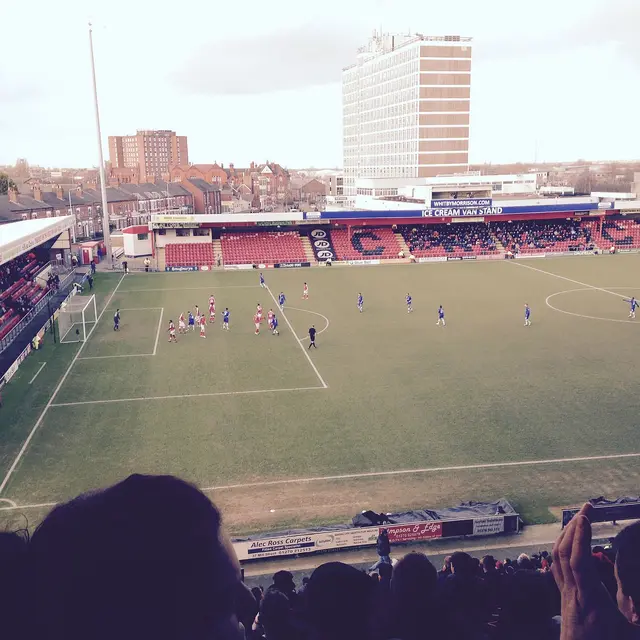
[
  {"x": 240, "y": 286},
  {"x": 188, "y": 395},
  {"x": 155, "y": 346},
  {"x": 307, "y": 356},
  {"x": 12, "y": 504},
  {"x": 401, "y": 472},
  {"x": 315, "y": 313},
  {"x": 555, "y": 275},
  {"x": 374, "y": 474},
  {"x": 141, "y": 308},
  {"x": 582, "y": 315},
  {"x": 26, "y": 506},
  {"x": 55, "y": 393},
  {"x": 122, "y": 355},
  {"x": 37, "y": 372}
]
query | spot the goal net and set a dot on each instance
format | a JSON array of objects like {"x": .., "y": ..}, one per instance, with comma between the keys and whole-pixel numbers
[{"x": 76, "y": 318}]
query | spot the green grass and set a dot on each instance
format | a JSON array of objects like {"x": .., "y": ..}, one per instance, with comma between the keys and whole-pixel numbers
[{"x": 402, "y": 393}]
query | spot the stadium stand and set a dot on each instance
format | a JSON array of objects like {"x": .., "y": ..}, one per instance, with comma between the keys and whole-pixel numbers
[
  {"x": 449, "y": 240},
  {"x": 534, "y": 236},
  {"x": 268, "y": 246},
  {"x": 93, "y": 568},
  {"x": 18, "y": 290},
  {"x": 422, "y": 240},
  {"x": 367, "y": 244},
  {"x": 189, "y": 254},
  {"x": 620, "y": 233}
]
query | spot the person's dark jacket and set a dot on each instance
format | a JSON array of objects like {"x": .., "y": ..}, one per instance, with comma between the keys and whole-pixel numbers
[{"x": 382, "y": 545}]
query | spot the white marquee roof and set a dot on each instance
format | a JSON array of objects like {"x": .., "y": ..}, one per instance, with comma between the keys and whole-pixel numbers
[{"x": 18, "y": 237}]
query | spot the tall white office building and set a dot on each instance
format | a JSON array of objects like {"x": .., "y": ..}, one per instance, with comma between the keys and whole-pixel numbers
[{"x": 406, "y": 104}]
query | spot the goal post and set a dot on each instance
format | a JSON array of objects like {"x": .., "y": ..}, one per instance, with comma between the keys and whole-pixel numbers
[{"x": 76, "y": 318}]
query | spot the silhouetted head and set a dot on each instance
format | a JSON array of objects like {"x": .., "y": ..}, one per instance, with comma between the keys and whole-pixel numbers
[{"x": 146, "y": 557}]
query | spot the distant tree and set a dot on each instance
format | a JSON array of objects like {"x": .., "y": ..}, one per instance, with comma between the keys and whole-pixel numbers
[{"x": 5, "y": 184}]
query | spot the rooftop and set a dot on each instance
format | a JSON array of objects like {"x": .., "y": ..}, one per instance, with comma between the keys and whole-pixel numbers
[{"x": 15, "y": 236}]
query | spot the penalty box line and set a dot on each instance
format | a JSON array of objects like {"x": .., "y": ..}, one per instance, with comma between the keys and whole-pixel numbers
[
  {"x": 186, "y": 395},
  {"x": 211, "y": 288},
  {"x": 378, "y": 474},
  {"x": 135, "y": 355}
]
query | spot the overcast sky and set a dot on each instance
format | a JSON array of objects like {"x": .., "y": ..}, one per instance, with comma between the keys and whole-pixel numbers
[{"x": 261, "y": 80}]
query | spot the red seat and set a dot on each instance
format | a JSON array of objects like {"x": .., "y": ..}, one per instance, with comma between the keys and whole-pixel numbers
[{"x": 264, "y": 246}]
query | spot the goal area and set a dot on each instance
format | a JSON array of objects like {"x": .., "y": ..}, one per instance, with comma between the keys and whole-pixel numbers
[{"x": 76, "y": 318}]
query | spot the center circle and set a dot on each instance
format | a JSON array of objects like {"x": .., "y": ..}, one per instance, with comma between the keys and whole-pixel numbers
[{"x": 588, "y": 317}]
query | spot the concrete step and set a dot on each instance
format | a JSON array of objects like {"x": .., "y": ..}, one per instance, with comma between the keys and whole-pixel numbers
[
  {"x": 401, "y": 241},
  {"x": 308, "y": 250},
  {"x": 217, "y": 251}
]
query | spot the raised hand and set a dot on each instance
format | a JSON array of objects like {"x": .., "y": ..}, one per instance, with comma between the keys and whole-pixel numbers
[{"x": 588, "y": 613}]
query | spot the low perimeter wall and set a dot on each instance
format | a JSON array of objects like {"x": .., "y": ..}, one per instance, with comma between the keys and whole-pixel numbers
[{"x": 331, "y": 539}]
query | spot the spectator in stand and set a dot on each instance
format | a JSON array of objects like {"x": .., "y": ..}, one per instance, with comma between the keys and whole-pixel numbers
[
  {"x": 464, "y": 237},
  {"x": 275, "y": 620},
  {"x": 465, "y": 600},
  {"x": 528, "y": 606},
  {"x": 626, "y": 547},
  {"x": 383, "y": 547},
  {"x": 539, "y": 235},
  {"x": 385, "y": 571},
  {"x": 340, "y": 603},
  {"x": 283, "y": 582},
  {"x": 145, "y": 558},
  {"x": 446, "y": 569},
  {"x": 305, "y": 582},
  {"x": 524, "y": 563},
  {"x": 414, "y": 612},
  {"x": 493, "y": 581}
]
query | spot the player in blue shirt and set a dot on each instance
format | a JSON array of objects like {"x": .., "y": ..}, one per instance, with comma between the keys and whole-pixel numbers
[
  {"x": 225, "y": 319},
  {"x": 527, "y": 315},
  {"x": 360, "y": 302},
  {"x": 441, "y": 316},
  {"x": 116, "y": 320},
  {"x": 192, "y": 321},
  {"x": 274, "y": 325},
  {"x": 633, "y": 303},
  {"x": 281, "y": 301},
  {"x": 409, "y": 304},
  {"x": 262, "y": 283}
]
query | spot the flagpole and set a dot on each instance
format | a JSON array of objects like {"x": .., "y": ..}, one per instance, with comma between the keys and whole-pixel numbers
[{"x": 103, "y": 182}]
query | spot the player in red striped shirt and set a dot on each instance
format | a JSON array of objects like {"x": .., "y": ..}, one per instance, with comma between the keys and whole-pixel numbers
[{"x": 203, "y": 324}]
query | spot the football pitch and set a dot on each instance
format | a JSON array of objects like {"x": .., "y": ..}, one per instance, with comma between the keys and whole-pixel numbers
[{"x": 390, "y": 412}]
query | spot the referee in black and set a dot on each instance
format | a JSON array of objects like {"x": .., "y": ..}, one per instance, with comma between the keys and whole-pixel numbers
[{"x": 312, "y": 337}]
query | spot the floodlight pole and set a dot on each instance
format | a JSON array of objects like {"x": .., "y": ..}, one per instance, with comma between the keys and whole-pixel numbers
[{"x": 103, "y": 183}]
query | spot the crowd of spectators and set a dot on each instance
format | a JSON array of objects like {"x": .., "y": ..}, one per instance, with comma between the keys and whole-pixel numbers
[
  {"x": 535, "y": 234},
  {"x": 148, "y": 558},
  {"x": 469, "y": 237},
  {"x": 22, "y": 269}
]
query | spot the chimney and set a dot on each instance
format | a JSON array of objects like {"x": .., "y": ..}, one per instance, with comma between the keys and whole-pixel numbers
[
  {"x": 59, "y": 192},
  {"x": 13, "y": 195},
  {"x": 231, "y": 167},
  {"x": 252, "y": 166},
  {"x": 37, "y": 193},
  {"x": 222, "y": 165}
]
